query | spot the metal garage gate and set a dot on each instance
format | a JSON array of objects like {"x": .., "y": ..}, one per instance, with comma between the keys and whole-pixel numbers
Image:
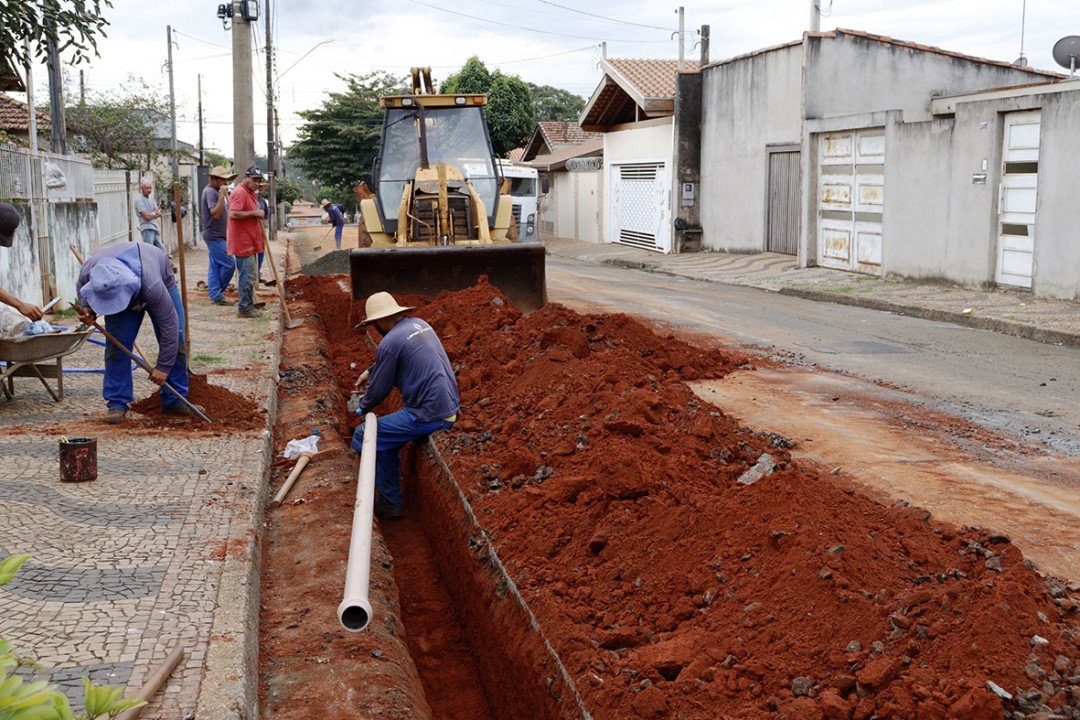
[
  {"x": 851, "y": 199},
  {"x": 639, "y": 205},
  {"x": 784, "y": 207}
]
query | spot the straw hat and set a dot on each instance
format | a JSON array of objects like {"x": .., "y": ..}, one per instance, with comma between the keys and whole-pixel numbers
[
  {"x": 221, "y": 172},
  {"x": 324, "y": 202},
  {"x": 381, "y": 305}
]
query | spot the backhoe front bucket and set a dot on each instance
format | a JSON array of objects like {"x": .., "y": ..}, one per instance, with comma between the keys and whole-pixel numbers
[{"x": 518, "y": 270}]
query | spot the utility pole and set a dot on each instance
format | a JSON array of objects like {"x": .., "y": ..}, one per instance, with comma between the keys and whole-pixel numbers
[
  {"x": 682, "y": 38},
  {"x": 815, "y": 15},
  {"x": 704, "y": 45},
  {"x": 271, "y": 154},
  {"x": 202, "y": 159},
  {"x": 57, "y": 139},
  {"x": 243, "y": 115},
  {"x": 172, "y": 116}
]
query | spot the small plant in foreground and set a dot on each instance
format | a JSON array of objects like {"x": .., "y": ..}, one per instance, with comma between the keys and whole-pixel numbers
[{"x": 40, "y": 700}]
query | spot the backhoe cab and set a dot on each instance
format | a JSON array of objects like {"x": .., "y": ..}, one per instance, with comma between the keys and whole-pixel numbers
[{"x": 441, "y": 214}]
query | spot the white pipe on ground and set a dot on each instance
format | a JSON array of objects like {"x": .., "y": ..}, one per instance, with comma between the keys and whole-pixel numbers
[{"x": 354, "y": 612}]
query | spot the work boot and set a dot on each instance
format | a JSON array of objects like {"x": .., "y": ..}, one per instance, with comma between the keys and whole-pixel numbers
[
  {"x": 223, "y": 301},
  {"x": 115, "y": 416},
  {"x": 386, "y": 511},
  {"x": 182, "y": 410}
]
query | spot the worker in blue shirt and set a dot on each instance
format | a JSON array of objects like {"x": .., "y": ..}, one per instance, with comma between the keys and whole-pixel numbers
[
  {"x": 411, "y": 358},
  {"x": 121, "y": 282},
  {"x": 335, "y": 215}
]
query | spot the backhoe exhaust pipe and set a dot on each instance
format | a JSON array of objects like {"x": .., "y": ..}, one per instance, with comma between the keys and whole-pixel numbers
[{"x": 354, "y": 612}]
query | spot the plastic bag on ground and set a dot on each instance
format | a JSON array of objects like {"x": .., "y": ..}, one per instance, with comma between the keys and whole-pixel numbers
[{"x": 296, "y": 448}]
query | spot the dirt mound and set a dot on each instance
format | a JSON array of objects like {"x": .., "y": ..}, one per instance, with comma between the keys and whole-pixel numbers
[
  {"x": 670, "y": 588},
  {"x": 219, "y": 404}
]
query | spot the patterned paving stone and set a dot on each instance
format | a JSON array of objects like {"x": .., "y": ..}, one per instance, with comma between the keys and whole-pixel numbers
[{"x": 127, "y": 567}]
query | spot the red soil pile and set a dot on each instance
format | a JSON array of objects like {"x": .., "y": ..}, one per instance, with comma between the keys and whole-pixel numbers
[
  {"x": 671, "y": 590},
  {"x": 219, "y": 404}
]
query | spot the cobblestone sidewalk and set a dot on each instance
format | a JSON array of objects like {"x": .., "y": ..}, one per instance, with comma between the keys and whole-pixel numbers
[
  {"x": 1013, "y": 312},
  {"x": 160, "y": 551}
]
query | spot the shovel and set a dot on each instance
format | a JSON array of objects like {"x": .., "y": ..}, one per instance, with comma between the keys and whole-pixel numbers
[{"x": 289, "y": 322}]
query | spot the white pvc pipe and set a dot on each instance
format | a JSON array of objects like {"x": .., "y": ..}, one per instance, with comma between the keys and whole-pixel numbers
[{"x": 354, "y": 612}]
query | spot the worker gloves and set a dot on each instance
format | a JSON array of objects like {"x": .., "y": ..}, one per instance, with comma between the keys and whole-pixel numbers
[{"x": 354, "y": 403}]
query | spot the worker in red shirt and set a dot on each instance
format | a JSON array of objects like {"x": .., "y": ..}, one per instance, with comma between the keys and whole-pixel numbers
[{"x": 244, "y": 237}]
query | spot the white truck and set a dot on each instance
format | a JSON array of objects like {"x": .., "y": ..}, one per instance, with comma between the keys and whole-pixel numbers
[{"x": 525, "y": 194}]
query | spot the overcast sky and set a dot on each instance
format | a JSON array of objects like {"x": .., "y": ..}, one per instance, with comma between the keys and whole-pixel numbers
[{"x": 547, "y": 42}]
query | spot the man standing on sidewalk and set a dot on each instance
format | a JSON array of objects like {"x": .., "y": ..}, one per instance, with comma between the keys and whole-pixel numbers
[
  {"x": 147, "y": 210},
  {"x": 214, "y": 211},
  {"x": 245, "y": 237}
]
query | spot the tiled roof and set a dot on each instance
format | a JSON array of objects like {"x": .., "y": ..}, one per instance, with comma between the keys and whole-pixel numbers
[
  {"x": 515, "y": 154},
  {"x": 890, "y": 41},
  {"x": 564, "y": 132},
  {"x": 14, "y": 118},
  {"x": 557, "y": 160},
  {"x": 652, "y": 78},
  {"x": 939, "y": 51}
]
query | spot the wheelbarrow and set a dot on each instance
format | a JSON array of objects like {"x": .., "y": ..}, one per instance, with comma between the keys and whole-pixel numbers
[{"x": 33, "y": 355}]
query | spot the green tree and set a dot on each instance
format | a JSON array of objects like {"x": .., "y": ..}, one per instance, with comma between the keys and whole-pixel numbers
[
  {"x": 288, "y": 191},
  {"x": 473, "y": 77},
  {"x": 509, "y": 111},
  {"x": 74, "y": 26},
  {"x": 552, "y": 103},
  {"x": 120, "y": 128},
  {"x": 339, "y": 141}
]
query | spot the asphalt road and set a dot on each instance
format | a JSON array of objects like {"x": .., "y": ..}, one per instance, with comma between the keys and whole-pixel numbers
[{"x": 1018, "y": 387}]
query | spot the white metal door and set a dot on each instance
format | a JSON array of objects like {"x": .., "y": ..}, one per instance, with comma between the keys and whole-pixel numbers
[
  {"x": 640, "y": 194},
  {"x": 1017, "y": 196},
  {"x": 851, "y": 199}
]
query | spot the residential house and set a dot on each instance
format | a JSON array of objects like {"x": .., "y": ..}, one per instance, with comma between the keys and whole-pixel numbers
[
  {"x": 634, "y": 108},
  {"x": 869, "y": 154},
  {"x": 571, "y": 161},
  {"x": 15, "y": 122}
]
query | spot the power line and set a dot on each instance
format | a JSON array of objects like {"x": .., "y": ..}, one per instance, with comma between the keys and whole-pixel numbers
[
  {"x": 534, "y": 30},
  {"x": 608, "y": 19}
]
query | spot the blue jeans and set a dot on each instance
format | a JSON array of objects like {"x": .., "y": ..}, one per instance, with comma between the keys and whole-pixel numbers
[
  {"x": 247, "y": 272},
  {"x": 395, "y": 431},
  {"x": 221, "y": 269},
  {"x": 151, "y": 237},
  {"x": 337, "y": 235},
  {"x": 124, "y": 326}
]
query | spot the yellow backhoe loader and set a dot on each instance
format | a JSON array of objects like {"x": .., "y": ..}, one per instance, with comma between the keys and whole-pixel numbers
[{"x": 441, "y": 213}]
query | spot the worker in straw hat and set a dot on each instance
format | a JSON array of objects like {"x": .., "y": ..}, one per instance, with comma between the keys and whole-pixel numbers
[
  {"x": 214, "y": 213},
  {"x": 335, "y": 215},
  {"x": 411, "y": 358},
  {"x": 121, "y": 282}
]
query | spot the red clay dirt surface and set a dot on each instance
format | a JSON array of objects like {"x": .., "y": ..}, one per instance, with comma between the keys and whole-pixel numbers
[
  {"x": 217, "y": 403},
  {"x": 671, "y": 590}
]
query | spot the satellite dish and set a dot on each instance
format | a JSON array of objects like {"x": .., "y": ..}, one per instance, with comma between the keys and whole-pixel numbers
[
  {"x": 1021, "y": 61},
  {"x": 1067, "y": 52}
]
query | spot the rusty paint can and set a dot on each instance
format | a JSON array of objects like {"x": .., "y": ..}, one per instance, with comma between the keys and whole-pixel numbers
[{"x": 78, "y": 459}]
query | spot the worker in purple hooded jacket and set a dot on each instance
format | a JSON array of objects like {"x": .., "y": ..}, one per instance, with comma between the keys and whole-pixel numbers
[{"x": 122, "y": 282}]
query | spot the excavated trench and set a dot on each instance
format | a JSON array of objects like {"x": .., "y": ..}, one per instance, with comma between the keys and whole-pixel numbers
[{"x": 593, "y": 540}]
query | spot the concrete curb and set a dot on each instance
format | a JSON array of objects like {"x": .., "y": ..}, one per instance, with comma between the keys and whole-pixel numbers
[
  {"x": 230, "y": 684},
  {"x": 1005, "y": 327}
]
